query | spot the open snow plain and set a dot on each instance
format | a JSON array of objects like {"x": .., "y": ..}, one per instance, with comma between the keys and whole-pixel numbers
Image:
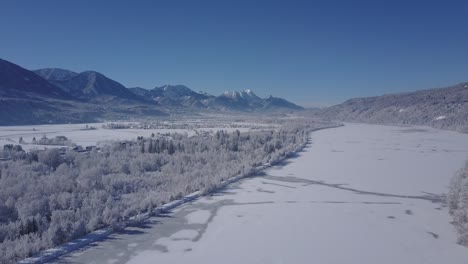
[
  {"x": 78, "y": 134},
  {"x": 356, "y": 194}
]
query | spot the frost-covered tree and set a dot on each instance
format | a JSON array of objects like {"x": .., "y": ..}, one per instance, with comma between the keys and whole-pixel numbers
[{"x": 458, "y": 203}]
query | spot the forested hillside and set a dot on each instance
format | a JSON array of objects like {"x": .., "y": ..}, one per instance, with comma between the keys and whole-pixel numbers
[{"x": 445, "y": 108}]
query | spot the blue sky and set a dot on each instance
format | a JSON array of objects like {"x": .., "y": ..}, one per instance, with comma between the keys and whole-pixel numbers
[{"x": 306, "y": 51}]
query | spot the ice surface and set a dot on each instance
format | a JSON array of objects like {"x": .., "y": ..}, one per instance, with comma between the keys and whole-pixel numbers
[
  {"x": 357, "y": 194},
  {"x": 198, "y": 217}
]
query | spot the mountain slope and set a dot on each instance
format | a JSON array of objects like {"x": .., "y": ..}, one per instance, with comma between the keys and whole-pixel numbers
[
  {"x": 17, "y": 82},
  {"x": 88, "y": 85},
  {"x": 246, "y": 96},
  {"x": 140, "y": 91},
  {"x": 55, "y": 74},
  {"x": 175, "y": 92},
  {"x": 445, "y": 108},
  {"x": 26, "y": 98},
  {"x": 278, "y": 103},
  {"x": 235, "y": 100},
  {"x": 178, "y": 95},
  {"x": 248, "y": 101}
]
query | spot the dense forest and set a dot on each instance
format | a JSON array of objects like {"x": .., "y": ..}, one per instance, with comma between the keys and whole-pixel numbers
[{"x": 51, "y": 196}]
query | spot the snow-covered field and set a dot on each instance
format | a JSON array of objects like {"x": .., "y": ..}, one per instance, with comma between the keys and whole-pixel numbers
[
  {"x": 79, "y": 135},
  {"x": 357, "y": 194}
]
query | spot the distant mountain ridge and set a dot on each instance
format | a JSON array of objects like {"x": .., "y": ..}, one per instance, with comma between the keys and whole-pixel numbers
[
  {"x": 276, "y": 102},
  {"x": 54, "y": 95},
  {"x": 445, "y": 108},
  {"x": 247, "y": 95},
  {"x": 180, "y": 95},
  {"x": 249, "y": 98},
  {"x": 88, "y": 85},
  {"x": 140, "y": 91}
]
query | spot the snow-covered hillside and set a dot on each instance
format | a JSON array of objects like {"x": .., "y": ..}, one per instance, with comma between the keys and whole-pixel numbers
[{"x": 444, "y": 108}]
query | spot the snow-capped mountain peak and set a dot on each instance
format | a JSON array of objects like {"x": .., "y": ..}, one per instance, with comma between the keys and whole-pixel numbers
[
  {"x": 250, "y": 94},
  {"x": 247, "y": 94},
  {"x": 233, "y": 94}
]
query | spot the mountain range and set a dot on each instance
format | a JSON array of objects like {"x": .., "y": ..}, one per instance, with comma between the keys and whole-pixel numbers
[
  {"x": 54, "y": 95},
  {"x": 93, "y": 86},
  {"x": 173, "y": 95}
]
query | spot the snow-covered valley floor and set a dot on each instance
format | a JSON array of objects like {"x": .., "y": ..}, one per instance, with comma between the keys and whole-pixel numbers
[
  {"x": 357, "y": 194},
  {"x": 87, "y": 137}
]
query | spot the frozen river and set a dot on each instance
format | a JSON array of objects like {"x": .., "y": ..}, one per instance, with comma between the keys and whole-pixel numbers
[{"x": 356, "y": 194}]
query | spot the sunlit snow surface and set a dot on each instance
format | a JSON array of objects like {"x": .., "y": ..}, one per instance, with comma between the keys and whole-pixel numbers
[
  {"x": 83, "y": 137},
  {"x": 356, "y": 194}
]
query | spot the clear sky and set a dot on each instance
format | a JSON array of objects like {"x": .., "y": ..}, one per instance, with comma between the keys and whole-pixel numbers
[{"x": 305, "y": 51}]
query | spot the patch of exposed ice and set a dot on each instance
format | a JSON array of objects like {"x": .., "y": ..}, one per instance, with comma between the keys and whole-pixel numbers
[
  {"x": 198, "y": 217},
  {"x": 185, "y": 234}
]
